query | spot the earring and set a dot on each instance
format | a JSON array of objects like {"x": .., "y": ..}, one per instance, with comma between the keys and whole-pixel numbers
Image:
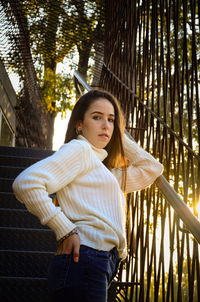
[{"x": 78, "y": 131}]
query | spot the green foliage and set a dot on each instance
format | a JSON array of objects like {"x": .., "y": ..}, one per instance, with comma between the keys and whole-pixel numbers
[
  {"x": 58, "y": 31},
  {"x": 59, "y": 93}
]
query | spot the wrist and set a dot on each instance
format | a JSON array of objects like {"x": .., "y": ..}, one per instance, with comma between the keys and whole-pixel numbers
[{"x": 74, "y": 231}]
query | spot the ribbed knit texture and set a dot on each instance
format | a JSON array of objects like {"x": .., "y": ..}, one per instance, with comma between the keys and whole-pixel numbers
[{"x": 89, "y": 195}]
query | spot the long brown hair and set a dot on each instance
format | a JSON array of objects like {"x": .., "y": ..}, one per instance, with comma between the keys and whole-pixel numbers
[{"x": 116, "y": 157}]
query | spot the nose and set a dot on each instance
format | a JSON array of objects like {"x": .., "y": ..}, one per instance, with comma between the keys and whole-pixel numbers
[{"x": 105, "y": 124}]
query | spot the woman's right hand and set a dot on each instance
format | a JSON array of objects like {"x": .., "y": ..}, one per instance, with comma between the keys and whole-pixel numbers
[{"x": 70, "y": 245}]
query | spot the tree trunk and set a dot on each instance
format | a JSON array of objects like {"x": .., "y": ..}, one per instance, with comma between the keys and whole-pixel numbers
[
  {"x": 84, "y": 54},
  {"x": 50, "y": 50},
  {"x": 98, "y": 63},
  {"x": 34, "y": 122}
]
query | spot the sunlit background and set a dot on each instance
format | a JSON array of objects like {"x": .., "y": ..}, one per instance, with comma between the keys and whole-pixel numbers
[
  {"x": 61, "y": 122},
  {"x": 60, "y": 127}
]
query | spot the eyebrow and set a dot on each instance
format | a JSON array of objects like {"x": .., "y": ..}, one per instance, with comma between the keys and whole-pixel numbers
[{"x": 111, "y": 114}]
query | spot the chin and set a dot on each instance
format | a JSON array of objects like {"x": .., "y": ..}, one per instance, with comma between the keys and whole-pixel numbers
[{"x": 100, "y": 145}]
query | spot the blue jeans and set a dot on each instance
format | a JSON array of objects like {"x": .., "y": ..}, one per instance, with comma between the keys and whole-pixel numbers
[{"x": 85, "y": 281}]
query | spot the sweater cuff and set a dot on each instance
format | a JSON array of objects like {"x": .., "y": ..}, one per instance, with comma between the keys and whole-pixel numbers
[{"x": 61, "y": 225}]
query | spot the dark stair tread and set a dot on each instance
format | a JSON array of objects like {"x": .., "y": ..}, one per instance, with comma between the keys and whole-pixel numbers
[
  {"x": 18, "y": 161},
  {"x": 19, "y": 218},
  {"x": 10, "y": 172},
  {"x": 26, "y": 252},
  {"x": 25, "y": 263},
  {"x": 28, "y": 239},
  {"x": 9, "y": 201},
  {"x": 6, "y": 184},
  {"x": 23, "y": 151},
  {"x": 23, "y": 278},
  {"x": 27, "y": 229},
  {"x": 24, "y": 289}
]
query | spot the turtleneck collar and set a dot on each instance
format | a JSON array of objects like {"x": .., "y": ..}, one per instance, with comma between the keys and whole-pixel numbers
[{"x": 100, "y": 153}]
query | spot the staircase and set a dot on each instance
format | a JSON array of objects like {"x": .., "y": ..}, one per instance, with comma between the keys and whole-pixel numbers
[{"x": 26, "y": 247}]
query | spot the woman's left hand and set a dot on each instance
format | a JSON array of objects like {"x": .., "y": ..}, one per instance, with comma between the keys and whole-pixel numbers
[{"x": 70, "y": 245}]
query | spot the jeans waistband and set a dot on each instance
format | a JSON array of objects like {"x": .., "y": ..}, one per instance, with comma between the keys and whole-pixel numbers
[{"x": 113, "y": 253}]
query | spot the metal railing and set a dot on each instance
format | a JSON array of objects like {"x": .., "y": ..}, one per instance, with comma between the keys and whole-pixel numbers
[{"x": 182, "y": 210}]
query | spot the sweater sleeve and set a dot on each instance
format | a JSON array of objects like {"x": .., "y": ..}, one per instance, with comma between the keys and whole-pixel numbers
[
  {"x": 33, "y": 186},
  {"x": 142, "y": 170}
]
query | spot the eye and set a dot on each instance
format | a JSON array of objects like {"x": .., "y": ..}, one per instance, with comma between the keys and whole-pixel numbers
[
  {"x": 111, "y": 120},
  {"x": 96, "y": 117}
]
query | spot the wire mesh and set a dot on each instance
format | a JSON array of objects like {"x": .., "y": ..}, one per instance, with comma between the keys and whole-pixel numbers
[
  {"x": 43, "y": 42},
  {"x": 152, "y": 66}
]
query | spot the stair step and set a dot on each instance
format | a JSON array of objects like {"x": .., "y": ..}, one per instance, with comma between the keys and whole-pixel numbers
[
  {"x": 24, "y": 289},
  {"x": 27, "y": 247},
  {"x": 9, "y": 201},
  {"x": 26, "y": 152},
  {"x": 28, "y": 239},
  {"x": 18, "y": 161},
  {"x": 6, "y": 184},
  {"x": 24, "y": 263},
  {"x": 10, "y": 172},
  {"x": 19, "y": 218}
]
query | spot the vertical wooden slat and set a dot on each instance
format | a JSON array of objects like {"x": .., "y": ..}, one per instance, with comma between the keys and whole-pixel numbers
[{"x": 159, "y": 61}]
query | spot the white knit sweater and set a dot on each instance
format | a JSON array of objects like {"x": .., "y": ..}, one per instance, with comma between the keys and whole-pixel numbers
[{"x": 89, "y": 195}]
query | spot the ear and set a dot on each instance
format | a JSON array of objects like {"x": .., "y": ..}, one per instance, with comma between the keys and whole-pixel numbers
[{"x": 79, "y": 125}]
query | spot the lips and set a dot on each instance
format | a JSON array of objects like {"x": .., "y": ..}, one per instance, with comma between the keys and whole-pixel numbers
[{"x": 104, "y": 135}]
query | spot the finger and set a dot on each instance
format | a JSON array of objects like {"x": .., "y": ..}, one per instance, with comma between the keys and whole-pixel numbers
[{"x": 76, "y": 252}]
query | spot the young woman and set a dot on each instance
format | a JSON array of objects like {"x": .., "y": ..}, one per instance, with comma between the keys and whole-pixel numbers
[{"x": 89, "y": 174}]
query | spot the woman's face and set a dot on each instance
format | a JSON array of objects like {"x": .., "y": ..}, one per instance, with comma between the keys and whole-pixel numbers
[{"x": 98, "y": 123}]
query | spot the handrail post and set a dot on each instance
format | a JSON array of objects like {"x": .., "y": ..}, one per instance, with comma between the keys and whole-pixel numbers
[{"x": 82, "y": 80}]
